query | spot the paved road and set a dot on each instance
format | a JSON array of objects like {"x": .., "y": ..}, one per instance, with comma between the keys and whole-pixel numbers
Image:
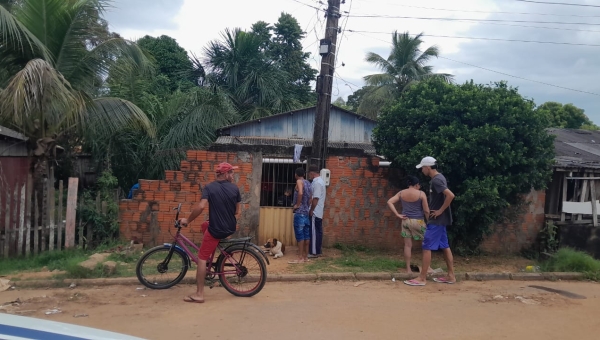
[{"x": 330, "y": 310}]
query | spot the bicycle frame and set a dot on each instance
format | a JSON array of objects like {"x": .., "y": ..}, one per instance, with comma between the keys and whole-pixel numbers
[{"x": 183, "y": 243}]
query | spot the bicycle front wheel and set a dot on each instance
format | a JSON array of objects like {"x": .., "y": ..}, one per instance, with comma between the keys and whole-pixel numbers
[
  {"x": 156, "y": 270},
  {"x": 244, "y": 272}
]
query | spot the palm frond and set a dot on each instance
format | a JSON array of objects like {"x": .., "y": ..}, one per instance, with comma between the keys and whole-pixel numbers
[
  {"x": 380, "y": 62},
  {"x": 16, "y": 38},
  {"x": 106, "y": 116},
  {"x": 379, "y": 79},
  {"x": 38, "y": 98},
  {"x": 375, "y": 99}
]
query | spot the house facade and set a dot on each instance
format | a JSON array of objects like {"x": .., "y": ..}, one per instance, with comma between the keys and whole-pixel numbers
[{"x": 356, "y": 209}]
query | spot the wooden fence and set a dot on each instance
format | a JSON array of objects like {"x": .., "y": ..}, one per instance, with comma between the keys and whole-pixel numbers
[{"x": 36, "y": 223}]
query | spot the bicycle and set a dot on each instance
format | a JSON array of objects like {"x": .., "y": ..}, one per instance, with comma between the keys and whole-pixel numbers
[{"x": 232, "y": 260}]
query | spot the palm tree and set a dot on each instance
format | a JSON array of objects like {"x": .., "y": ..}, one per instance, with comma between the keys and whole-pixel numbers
[
  {"x": 405, "y": 65},
  {"x": 54, "y": 57},
  {"x": 239, "y": 65}
]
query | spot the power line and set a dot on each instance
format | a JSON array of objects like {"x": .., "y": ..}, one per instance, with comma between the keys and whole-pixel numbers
[
  {"x": 491, "y": 39},
  {"x": 470, "y": 19},
  {"x": 558, "y": 3},
  {"x": 491, "y": 12},
  {"x": 505, "y": 74}
]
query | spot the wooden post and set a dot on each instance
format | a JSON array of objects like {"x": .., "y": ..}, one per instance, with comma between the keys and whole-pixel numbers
[
  {"x": 28, "y": 213},
  {"x": 564, "y": 196},
  {"x": 60, "y": 216},
  {"x": 36, "y": 226},
  {"x": 51, "y": 208},
  {"x": 15, "y": 218},
  {"x": 44, "y": 215},
  {"x": 71, "y": 212},
  {"x": 584, "y": 194},
  {"x": 22, "y": 220},
  {"x": 7, "y": 223},
  {"x": 80, "y": 245},
  {"x": 593, "y": 194}
]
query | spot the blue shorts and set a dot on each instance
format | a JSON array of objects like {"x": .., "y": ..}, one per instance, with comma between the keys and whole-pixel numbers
[
  {"x": 435, "y": 237},
  {"x": 302, "y": 227}
]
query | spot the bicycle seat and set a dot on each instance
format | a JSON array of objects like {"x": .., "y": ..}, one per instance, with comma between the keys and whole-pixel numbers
[{"x": 236, "y": 240}]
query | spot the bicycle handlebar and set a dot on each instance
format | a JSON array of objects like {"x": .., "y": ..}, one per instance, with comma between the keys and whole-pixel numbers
[{"x": 177, "y": 225}]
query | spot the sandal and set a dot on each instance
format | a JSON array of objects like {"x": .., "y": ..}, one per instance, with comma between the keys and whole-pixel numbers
[
  {"x": 443, "y": 280},
  {"x": 414, "y": 283}
]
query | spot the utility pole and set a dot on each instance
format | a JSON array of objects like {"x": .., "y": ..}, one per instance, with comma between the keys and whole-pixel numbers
[{"x": 328, "y": 51}]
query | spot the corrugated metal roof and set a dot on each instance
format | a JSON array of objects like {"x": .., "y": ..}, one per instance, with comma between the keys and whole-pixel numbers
[
  {"x": 233, "y": 140},
  {"x": 4, "y": 131},
  {"x": 576, "y": 148},
  {"x": 294, "y": 111}
]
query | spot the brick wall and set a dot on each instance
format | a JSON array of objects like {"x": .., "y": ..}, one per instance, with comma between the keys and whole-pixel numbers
[
  {"x": 355, "y": 213},
  {"x": 149, "y": 215},
  {"x": 510, "y": 237},
  {"x": 356, "y": 210}
]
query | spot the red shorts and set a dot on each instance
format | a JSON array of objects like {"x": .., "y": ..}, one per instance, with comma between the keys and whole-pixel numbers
[{"x": 209, "y": 243}]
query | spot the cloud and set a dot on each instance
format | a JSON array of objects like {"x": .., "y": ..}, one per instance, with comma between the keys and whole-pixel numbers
[
  {"x": 193, "y": 23},
  {"x": 143, "y": 14},
  {"x": 562, "y": 65}
]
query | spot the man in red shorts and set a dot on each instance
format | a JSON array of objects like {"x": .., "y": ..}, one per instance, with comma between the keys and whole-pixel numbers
[{"x": 223, "y": 198}]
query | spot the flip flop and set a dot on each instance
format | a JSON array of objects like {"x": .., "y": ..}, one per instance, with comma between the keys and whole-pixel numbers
[
  {"x": 414, "y": 283},
  {"x": 442, "y": 280},
  {"x": 192, "y": 300}
]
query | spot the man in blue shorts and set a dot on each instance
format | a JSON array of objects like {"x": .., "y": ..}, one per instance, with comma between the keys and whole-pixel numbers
[
  {"x": 301, "y": 201},
  {"x": 440, "y": 217}
]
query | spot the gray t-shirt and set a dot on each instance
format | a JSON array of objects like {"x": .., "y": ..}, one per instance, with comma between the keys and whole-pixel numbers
[{"x": 436, "y": 200}]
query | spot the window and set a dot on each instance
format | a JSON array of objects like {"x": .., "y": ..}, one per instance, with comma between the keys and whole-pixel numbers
[{"x": 277, "y": 184}]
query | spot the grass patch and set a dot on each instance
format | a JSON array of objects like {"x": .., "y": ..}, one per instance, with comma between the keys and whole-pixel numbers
[
  {"x": 569, "y": 260},
  {"x": 51, "y": 259},
  {"x": 67, "y": 260},
  {"x": 355, "y": 259}
]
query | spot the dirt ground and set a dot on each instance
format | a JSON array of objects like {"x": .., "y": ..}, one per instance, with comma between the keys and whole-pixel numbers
[
  {"x": 334, "y": 310},
  {"x": 483, "y": 263}
]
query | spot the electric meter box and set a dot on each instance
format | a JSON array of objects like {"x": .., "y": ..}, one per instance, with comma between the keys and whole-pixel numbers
[{"x": 326, "y": 176}]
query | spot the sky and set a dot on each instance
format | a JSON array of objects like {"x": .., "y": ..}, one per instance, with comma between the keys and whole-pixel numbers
[{"x": 526, "y": 65}]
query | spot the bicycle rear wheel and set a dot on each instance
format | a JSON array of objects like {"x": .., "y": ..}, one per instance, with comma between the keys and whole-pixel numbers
[
  {"x": 155, "y": 272},
  {"x": 248, "y": 278}
]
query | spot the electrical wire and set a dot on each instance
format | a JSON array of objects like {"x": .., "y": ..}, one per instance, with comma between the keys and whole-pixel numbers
[
  {"x": 488, "y": 12},
  {"x": 558, "y": 3},
  {"x": 503, "y": 73},
  {"x": 489, "y": 39},
  {"x": 470, "y": 19}
]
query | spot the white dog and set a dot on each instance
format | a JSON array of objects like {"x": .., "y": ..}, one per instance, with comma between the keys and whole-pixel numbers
[{"x": 276, "y": 248}]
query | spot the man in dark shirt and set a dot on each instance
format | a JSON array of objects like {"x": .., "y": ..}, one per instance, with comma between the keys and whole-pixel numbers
[
  {"x": 223, "y": 198},
  {"x": 440, "y": 217}
]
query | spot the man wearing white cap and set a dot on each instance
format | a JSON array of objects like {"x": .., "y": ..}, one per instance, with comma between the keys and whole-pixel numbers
[{"x": 440, "y": 217}]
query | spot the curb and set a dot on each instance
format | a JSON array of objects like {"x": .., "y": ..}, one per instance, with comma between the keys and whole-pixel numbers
[{"x": 311, "y": 278}]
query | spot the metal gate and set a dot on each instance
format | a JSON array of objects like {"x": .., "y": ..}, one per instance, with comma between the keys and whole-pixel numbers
[{"x": 276, "y": 193}]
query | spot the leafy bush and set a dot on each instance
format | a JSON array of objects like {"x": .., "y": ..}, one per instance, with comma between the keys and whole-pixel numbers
[
  {"x": 105, "y": 225},
  {"x": 489, "y": 141}
]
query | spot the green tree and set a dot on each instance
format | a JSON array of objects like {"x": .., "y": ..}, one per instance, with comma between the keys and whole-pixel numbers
[
  {"x": 405, "y": 65},
  {"x": 54, "y": 54},
  {"x": 356, "y": 98},
  {"x": 490, "y": 142},
  {"x": 238, "y": 65},
  {"x": 340, "y": 102},
  {"x": 172, "y": 61},
  {"x": 566, "y": 116}
]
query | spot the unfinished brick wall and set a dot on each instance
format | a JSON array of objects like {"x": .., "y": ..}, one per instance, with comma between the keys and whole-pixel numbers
[
  {"x": 356, "y": 211},
  {"x": 511, "y": 238},
  {"x": 149, "y": 215}
]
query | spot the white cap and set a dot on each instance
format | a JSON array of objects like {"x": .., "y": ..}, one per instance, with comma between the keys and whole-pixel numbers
[{"x": 427, "y": 161}]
